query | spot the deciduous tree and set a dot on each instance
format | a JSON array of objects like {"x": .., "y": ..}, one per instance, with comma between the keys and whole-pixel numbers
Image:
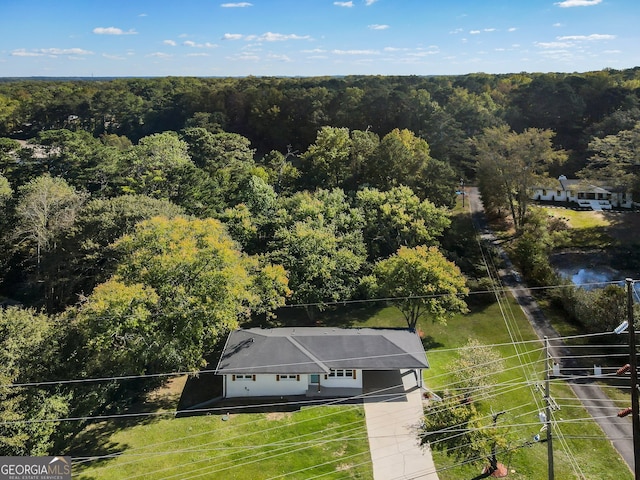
[
  {"x": 204, "y": 284},
  {"x": 47, "y": 207},
  {"x": 511, "y": 164},
  {"x": 424, "y": 282},
  {"x": 615, "y": 160},
  {"x": 398, "y": 218},
  {"x": 27, "y": 347}
]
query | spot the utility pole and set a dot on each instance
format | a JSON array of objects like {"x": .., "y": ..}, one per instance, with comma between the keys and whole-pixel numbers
[
  {"x": 462, "y": 190},
  {"x": 633, "y": 363},
  {"x": 547, "y": 396}
]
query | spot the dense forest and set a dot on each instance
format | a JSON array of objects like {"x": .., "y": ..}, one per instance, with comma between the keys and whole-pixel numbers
[{"x": 142, "y": 219}]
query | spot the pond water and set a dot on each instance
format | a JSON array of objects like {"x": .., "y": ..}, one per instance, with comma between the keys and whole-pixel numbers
[{"x": 590, "y": 277}]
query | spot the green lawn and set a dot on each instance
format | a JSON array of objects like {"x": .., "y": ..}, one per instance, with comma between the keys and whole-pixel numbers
[
  {"x": 588, "y": 229},
  {"x": 330, "y": 442},
  {"x": 577, "y": 437}
]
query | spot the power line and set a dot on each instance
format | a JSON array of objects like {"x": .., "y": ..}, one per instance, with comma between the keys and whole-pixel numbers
[
  {"x": 422, "y": 297},
  {"x": 205, "y": 371}
]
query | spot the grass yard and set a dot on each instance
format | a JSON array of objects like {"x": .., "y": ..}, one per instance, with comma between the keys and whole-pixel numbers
[
  {"x": 588, "y": 229},
  {"x": 328, "y": 442},
  {"x": 578, "y": 441}
]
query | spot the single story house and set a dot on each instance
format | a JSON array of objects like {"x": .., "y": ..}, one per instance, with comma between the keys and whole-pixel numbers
[
  {"x": 594, "y": 195},
  {"x": 314, "y": 361}
]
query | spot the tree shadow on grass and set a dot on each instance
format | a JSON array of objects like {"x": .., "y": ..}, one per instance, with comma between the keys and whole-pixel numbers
[
  {"x": 96, "y": 438},
  {"x": 338, "y": 316},
  {"x": 200, "y": 389},
  {"x": 429, "y": 343},
  {"x": 96, "y": 441}
]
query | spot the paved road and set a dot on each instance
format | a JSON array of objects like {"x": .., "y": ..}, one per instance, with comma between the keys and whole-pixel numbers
[{"x": 618, "y": 430}]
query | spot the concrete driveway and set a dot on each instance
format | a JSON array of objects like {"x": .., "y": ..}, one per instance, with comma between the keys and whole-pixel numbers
[{"x": 393, "y": 409}]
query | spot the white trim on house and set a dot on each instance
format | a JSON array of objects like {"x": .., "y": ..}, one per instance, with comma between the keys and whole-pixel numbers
[
  {"x": 584, "y": 194},
  {"x": 313, "y": 360},
  {"x": 272, "y": 385}
]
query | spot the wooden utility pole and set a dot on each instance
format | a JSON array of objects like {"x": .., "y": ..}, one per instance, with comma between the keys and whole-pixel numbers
[
  {"x": 633, "y": 363},
  {"x": 547, "y": 397}
]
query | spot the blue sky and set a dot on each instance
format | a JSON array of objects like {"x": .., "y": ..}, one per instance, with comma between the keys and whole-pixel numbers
[{"x": 315, "y": 37}]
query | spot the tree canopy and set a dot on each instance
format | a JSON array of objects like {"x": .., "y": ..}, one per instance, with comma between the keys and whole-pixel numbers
[
  {"x": 181, "y": 284},
  {"x": 424, "y": 283}
]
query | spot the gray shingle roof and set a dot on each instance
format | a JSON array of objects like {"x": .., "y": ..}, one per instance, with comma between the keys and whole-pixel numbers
[{"x": 316, "y": 350}]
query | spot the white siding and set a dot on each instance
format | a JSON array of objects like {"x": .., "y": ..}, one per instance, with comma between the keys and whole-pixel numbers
[
  {"x": 265, "y": 386},
  {"x": 549, "y": 195},
  {"x": 342, "y": 382},
  {"x": 270, "y": 386}
]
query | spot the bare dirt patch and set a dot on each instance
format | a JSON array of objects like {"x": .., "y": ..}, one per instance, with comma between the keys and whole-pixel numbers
[{"x": 168, "y": 395}]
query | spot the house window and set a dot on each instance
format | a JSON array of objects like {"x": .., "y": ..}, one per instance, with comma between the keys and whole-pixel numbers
[
  {"x": 340, "y": 373},
  {"x": 288, "y": 377},
  {"x": 558, "y": 192},
  {"x": 244, "y": 377},
  {"x": 544, "y": 192}
]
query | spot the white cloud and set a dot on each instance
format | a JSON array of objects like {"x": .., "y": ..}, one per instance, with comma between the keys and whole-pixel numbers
[
  {"x": 368, "y": 3},
  {"x": 21, "y": 52},
  {"x": 113, "y": 31},
  {"x": 348, "y": 4},
  {"x": 489, "y": 29},
  {"x": 113, "y": 57},
  {"x": 395, "y": 49},
  {"x": 265, "y": 37},
  {"x": 554, "y": 44},
  {"x": 191, "y": 44},
  {"x": 169, "y": 42},
  {"x": 237, "y": 5},
  {"x": 593, "y": 36},
  {"x": 198, "y": 54},
  {"x": 612, "y": 51},
  {"x": 375, "y": 26},
  {"x": 577, "y": 3},
  {"x": 53, "y": 52},
  {"x": 315, "y": 50},
  {"x": 143, "y": 15},
  {"x": 355, "y": 52},
  {"x": 280, "y": 58},
  {"x": 160, "y": 55},
  {"x": 245, "y": 57},
  {"x": 423, "y": 54},
  {"x": 474, "y": 32},
  {"x": 557, "y": 25},
  {"x": 511, "y": 29},
  {"x": 280, "y": 37},
  {"x": 457, "y": 30}
]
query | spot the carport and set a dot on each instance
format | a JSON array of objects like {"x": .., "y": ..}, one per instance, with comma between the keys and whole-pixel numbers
[{"x": 389, "y": 385}]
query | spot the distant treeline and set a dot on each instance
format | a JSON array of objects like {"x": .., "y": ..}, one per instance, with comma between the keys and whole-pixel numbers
[{"x": 277, "y": 113}]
